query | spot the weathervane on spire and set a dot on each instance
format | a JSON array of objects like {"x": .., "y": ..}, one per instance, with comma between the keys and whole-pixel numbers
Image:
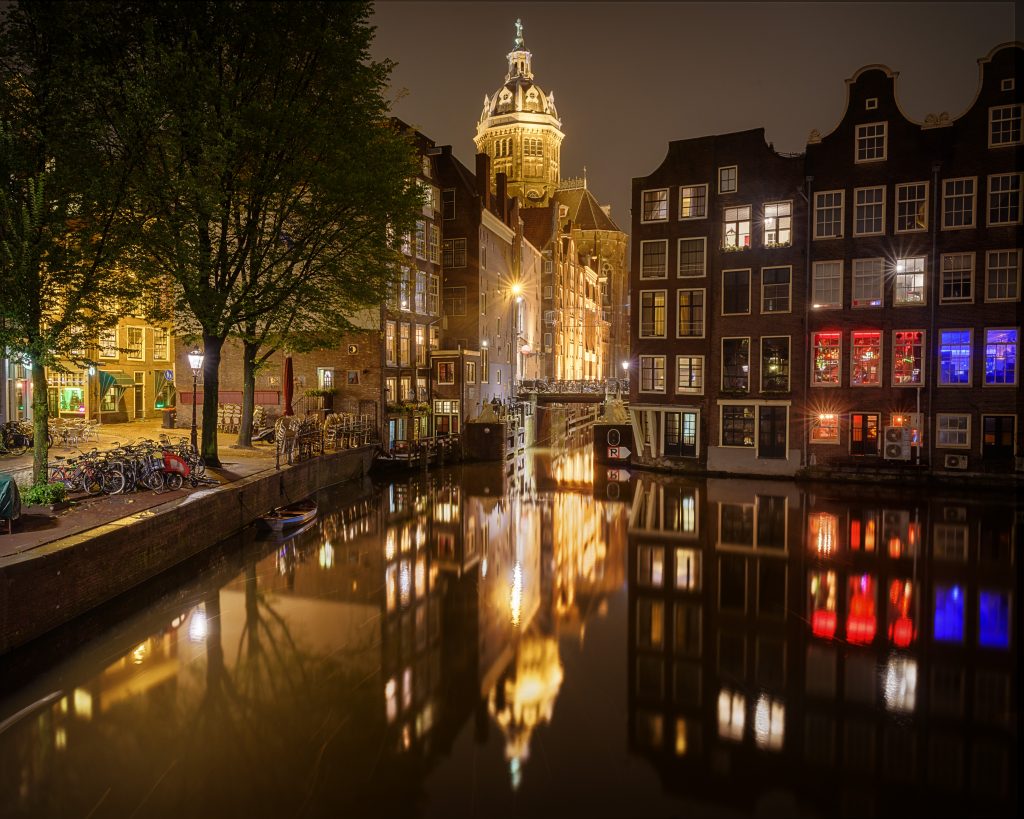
[{"x": 519, "y": 34}]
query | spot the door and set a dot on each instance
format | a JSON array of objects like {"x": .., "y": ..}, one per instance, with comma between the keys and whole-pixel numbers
[
  {"x": 864, "y": 433},
  {"x": 140, "y": 409},
  {"x": 681, "y": 434},
  {"x": 392, "y": 433},
  {"x": 772, "y": 425},
  {"x": 997, "y": 438}
]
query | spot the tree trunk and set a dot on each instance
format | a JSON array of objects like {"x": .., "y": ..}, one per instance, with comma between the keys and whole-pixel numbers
[
  {"x": 250, "y": 349},
  {"x": 211, "y": 389},
  {"x": 40, "y": 423}
]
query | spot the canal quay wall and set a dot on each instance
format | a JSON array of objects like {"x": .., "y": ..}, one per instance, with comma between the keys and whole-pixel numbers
[{"x": 49, "y": 586}]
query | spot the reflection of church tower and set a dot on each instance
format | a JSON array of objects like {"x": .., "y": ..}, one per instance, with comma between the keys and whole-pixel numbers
[{"x": 520, "y": 130}]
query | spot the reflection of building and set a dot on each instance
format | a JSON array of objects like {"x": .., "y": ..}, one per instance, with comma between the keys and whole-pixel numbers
[{"x": 774, "y": 634}]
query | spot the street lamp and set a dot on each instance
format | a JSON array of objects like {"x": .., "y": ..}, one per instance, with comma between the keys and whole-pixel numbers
[
  {"x": 625, "y": 374},
  {"x": 195, "y": 361}
]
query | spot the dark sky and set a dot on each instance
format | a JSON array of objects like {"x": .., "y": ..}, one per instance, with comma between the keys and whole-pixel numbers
[{"x": 629, "y": 77}]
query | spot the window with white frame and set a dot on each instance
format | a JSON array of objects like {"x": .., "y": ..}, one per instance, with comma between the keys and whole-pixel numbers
[
  {"x": 654, "y": 259},
  {"x": 736, "y": 228},
  {"x": 690, "y": 374},
  {"x": 955, "y": 357},
  {"x": 652, "y": 314},
  {"x": 445, "y": 372},
  {"x": 728, "y": 179},
  {"x": 828, "y": 214},
  {"x": 435, "y": 244},
  {"x": 421, "y": 239},
  {"x": 690, "y": 314},
  {"x": 1002, "y": 275},
  {"x": 1004, "y": 125},
  {"x": 911, "y": 207},
  {"x": 953, "y": 429},
  {"x": 434, "y": 295},
  {"x": 827, "y": 284},
  {"x": 736, "y": 364},
  {"x": 825, "y": 428},
  {"x": 867, "y": 283},
  {"x": 107, "y": 343},
  {"x": 1004, "y": 199},
  {"x": 909, "y": 281},
  {"x": 738, "y": 425},
  {"x": 390, "y": 390},
  {"x": 826, "y": 361},
  {"x": 692, "y": 257},
  {"x": 134, "y": 344},
  {"x": 871, "y": 142},
  {"x": 778, "y": 224},
  {"x": 421, "y": 345},
  {"x": 1000, "y": 356},
  {"x": 161, "y": 344},
  {"x": 866, "y": 359},
  {"x": 907, "y": 358},
  {"x": 655, "y": 205},
  {"x": 735, "y": 292},
  {"x": 957, "y": 277},
  {"x": 776, "y": 284},
  {"x": 693, "y": 201},
  {"x": 869, "y": 211},
  {"x": 390, "y": 343},
  {"x": 652, "y": 373},
  {"x": 958, "y": 202}
]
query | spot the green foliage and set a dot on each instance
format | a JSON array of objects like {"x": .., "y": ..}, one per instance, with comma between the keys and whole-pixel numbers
[
  {"x": 44, "y": 494},
  {"x": 321, "y": 393}
]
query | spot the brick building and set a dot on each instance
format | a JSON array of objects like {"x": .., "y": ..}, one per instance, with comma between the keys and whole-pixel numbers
[{"x": 856, "y": 304}]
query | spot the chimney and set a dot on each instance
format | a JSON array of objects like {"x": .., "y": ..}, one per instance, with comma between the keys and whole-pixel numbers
[
  {"x": 483, "y": 180},
  {"x": 500, "y": 182}
]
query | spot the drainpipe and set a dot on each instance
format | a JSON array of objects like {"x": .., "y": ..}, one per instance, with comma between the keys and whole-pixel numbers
[
  {"x": 805, "y": 434},
  {"x": 933, "y": 301}
]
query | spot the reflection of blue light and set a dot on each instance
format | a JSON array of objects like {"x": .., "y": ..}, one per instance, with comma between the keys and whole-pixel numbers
[
  {"x": 949, "y": 614},
  {"x": 994, "y": 619}
]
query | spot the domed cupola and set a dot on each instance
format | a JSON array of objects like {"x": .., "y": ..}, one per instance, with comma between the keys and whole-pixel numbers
[{"x": 520, "y": 130}]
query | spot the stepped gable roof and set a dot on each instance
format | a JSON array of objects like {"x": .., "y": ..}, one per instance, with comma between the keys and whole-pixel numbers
[
  {"x": 584, "y": 210},
  {"x": 538, "y": 225}
]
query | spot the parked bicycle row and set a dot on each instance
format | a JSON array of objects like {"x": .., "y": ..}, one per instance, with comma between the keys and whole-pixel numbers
[{"x": 17, "y": 437}]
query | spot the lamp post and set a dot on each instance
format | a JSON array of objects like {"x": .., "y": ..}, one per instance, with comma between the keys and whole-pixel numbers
[
  {"x": 625, "y": 375},
  {"x": 195, "y": 361}
]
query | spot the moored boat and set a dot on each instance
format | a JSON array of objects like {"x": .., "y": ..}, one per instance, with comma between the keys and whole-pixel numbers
[{"x": 289, "y": 517}]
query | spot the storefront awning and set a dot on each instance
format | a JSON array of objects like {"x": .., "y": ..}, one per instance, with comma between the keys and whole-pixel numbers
[{"x": 118, "y": 381}]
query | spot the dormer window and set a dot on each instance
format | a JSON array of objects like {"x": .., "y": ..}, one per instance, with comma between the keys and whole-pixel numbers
[
  {"x": 728, "y": 179},
  {"x": 871, "y": 142},
  {"x": 1007, "y": 85},
  {"x": 1004, "y": 125}
]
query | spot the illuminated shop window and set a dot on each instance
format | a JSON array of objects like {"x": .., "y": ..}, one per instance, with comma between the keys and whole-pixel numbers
[
  {"x": 732, "y": 708},
  {"x": 900, "y": 684},
  {"x": 822, "y": 596},
  {"x": 867, "y": 283},
  {"x": 861, "y": 617},
  {"x": 778, "y": 224},
  {"x": 736, "y": 228},
  {"x": 693, "y": 201},
  {"x": 958, "y": 203},
  {"x": 909, "y": 282},
  {"x": 955, "y": 357},
  {"x": 866, "y": 355},
  {"x": 911, "y": 207},
  {"x": 692, "y": 257},
  {"x": 869, "y": 211},
  {"x": 1001, "y": 357},
  {"x": 1002, "y": 275},
  {"x": 900, "y": 605},
  {"x": 908, "y": 358},
  {"x": 825, "y": 428},
  {"x": 769, "y": 723},
  {"x": 949, "y": 614},
  {"x": 994, "y": 619}
]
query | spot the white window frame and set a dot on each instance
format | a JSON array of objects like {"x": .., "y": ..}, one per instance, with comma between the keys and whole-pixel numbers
[
  {"x": 839, "y": 359},
  {"x": 664, "y": 377},
  {"x": 923, "y": 273},
  {"x": 721, "y": 432},
  {"x": 750, "y": 276},
  {"x": 944, "y": 269},
  {"x": 130, "y": 355},
  {"x": 842, "y": 213},
  {"x": 643, "y": 207},
  {"x": 881, "y": 358},
  {"x": 449, "y": 362},
  {"x": 167, "y": 344},
  {"x": 855, "y": 303},
  {"x": 905, "y": 186},
  {"x": 704, "y": 311},
  {"x": 816, "y": 423},
  {"x": 736, "y": 178},
  {"x": 819, "y": 305},
  {"x": 973, "y": 198},
  {"x": 699, "y": 390},
  {"x": 789, "y": 293},
  {"x": 788, "y": 217},
  {"x": 106, "y": 349},
  {"x": 922, "y": 378},
  {"x": 988, "y": 275},
  {"x": 640, "y": 315},
  {"x": 940, "y": 417},
  {"x": 860, "y": 134},
  {"x": 664, "y": 274},
  {"x": 704, "y": 257},
  {"x": 857, "y": 205},
  {"x": 694, "y": 187},
  {"x": 984, "y": 359},
  {"x": 970, "y": 357},
  {"x": 1020, "y": 198},
  {"x": 738, "y": 246},
  {"x": 991, "y": 121}
]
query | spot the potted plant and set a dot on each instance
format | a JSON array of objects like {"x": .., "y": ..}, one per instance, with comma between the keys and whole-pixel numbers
[
  {"x": 326, "y": 395},
  {"x": 52, "y": 496}
]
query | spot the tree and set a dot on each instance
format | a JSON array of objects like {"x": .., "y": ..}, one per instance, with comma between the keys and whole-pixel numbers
[
  {"x": 270, "y": 166},
  {"x": 63, "y": 187}
]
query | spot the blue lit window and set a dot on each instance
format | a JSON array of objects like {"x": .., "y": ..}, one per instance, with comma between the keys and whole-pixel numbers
[
  {"x": 949, "y": 614},
  {"x": 994, "y": 619},
  {"x": 1000, "y": 356},
  {"x": 954, "y": 356}
]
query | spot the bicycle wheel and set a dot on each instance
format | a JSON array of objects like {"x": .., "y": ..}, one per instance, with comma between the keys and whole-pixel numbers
[
  {"x": 174, "y": 480},
  {"x": 112, "y": 481},
  {"x": 153, "y": 480},
  {"x": 16, "y": 444},
  {"x": 92, "y": 481},
  {"x": 59, "y": 474}
]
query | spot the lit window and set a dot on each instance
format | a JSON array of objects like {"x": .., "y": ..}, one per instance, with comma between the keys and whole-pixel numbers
[
  {"x": 735, "y": 292},
  {"x": 655, "y": 205},
  {"x": 775, "y": 364},
  {"x": 692, "y": 257},
  {"x": 693, "y": 201},
  {"x": 958, "y": 203},
  {"x": 955, "y": 357},
  {"x": 822, "y": 595},
  {"x": 690, "y": 314},
  {"x": 907, "y": 358},
  {"x": 901, "y": 612},
  {"x": 1002, "y": 275},
  {"x": 826, "y": 348},
  {"x": 949, "y": 614},
  {"x": 687, "y": 569},
  {"x": 690, "y": 374},
  {"x": 869, "y": 211},
  {"x": 736, "y": 364},
  {"x": 953, "y": 430},
  {"x": 867, "y": 283},
  {"x": 421, "y": 240},
  {"x": 778, "y": 224},
  {"x": 434, "y": 295},
  {"x": 911, "y": 207},
  {"x": 1000, "y": 357},
  {"x": 736, "y": 228},
  {"x": 161, "y": 344},
  {"x": 435, "y": 245},
  {"x": 1004, "y": 125},
  {"x": 108, "y": 342},
  {"x": 738, "y": 425},
  {"x": 861, "y": 617},
  {"x": 135, "y": 350},
  {"x": 866, "y": 353},
  {"x": 994, "y": 619},
  {"x": 654, "y": 259},
  {"x": 445, "y": 372},
  {"x": 909, "y": 281},
  {"x": 728, "y": 179},
  {"x": 404, "y": 353},
  {"x": 1004, "y": 199},
  {"x": 775, "y": 289},
  {"x": 769, "y": 723},
  {"x": 731, "y": 715},
  {"x": 871, "y": 142},
  {"x": 957, "y": 277},
  {"x": 825, "y": 428},
  {"x": 652, "y": 314},
  {"x": 828, "y": 214},
  {"x": 827, "y": 284},
  {"x": 391, "y": 390},
  {"x": 650, "y": 562},
  {"x": 652, "y": 373},
  {"x": 900, "y": 684}
]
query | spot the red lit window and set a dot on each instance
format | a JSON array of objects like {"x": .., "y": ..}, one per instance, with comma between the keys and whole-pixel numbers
[
  {"x": 864, "y": 532},
  {"x": 822, "y": 603},
  {"x": 907, "y": 358},
  {"x": 901, "y": 622},
  {"x": 826, "y": 351},
  {"x": 861, "y": 618},
  {"x": 866, "y": 355}
]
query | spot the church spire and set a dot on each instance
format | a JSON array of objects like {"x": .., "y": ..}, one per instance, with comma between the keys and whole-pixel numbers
[{"x": 519, "y": 57}]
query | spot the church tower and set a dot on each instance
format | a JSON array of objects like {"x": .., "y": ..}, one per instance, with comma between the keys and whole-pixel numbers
[{"x": 520, "y": 130}]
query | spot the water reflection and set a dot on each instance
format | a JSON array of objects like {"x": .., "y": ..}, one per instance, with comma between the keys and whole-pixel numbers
[{"x": 433, "y": 644}]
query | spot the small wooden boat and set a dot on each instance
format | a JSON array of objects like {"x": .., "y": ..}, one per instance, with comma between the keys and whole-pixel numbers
[{"x": 289, "y": 517}]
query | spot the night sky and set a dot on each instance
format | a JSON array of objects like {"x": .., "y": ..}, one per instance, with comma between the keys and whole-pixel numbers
[{"x": 629, "y": 77}]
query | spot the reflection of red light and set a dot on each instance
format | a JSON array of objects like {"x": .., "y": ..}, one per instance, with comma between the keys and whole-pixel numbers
[
  {"x": 860, "y": 628},
  {"x": 823, "y": 623},
  {"x": 895, "y": 547},
  {"x": 855, "y": 535},
  {"x": 902, "y": 631}
]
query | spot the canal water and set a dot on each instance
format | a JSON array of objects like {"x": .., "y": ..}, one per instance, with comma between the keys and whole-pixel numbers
[{"x": 551, "y": 639}]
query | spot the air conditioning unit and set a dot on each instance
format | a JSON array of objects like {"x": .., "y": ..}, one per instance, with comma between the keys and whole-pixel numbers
[
  {"x": 956, "y": 462},
  {"x": 896, "y": 444}
]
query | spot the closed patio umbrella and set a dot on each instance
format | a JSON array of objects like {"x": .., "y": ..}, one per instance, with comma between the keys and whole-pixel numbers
[{"x": 288, "y": 380}]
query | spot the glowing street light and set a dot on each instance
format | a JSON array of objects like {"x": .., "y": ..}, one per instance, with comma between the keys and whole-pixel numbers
[{"x": 195, "y": 362}]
